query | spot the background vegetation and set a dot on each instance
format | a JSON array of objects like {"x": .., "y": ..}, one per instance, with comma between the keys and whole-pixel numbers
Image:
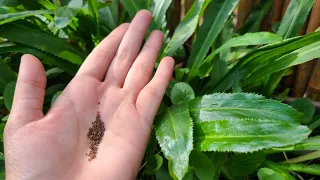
[{"x": 212, "y": 123}]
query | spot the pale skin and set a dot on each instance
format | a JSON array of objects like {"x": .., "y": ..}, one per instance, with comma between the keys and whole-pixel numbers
[{"x": 117, "y": 74}]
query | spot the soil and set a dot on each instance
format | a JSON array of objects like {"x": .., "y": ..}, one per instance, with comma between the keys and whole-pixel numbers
[{"x": 95, "y": 135}]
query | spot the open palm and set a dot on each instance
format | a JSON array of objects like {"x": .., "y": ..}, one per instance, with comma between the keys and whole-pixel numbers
[{"x": 114, "y": 80}]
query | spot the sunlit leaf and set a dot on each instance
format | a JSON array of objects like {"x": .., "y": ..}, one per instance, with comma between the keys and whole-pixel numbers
[
  {"x": 219, "y": 11},
  {"x": 185, "y": 28},
  {"x": 223, "y": 106},
  {"x": 246, "y": 135},
  {"x": 6, "y": 18},
  {"x": 294, "y": 18},
  {"x": 175, "y": 137}
]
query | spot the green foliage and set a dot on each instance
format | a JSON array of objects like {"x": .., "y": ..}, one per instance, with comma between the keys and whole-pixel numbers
[
  {"x": 305, "y": 106},
  {"x": 181, "y": 92},
  {"x": 246, "y": 135},
  {"x": 10, "y": 17},
  {"x": 294, "y": 17},
  {"x": 185, "y": 28},
  {"x": 222, "y": 106},
  {"x": 269, "y": 174},
  {"x": 154, "y": 163},
  {"x": 197, "y": 134},
  {"x": 244, "y": 164},
  {"x": 219, "y": 11},
  {"x": 8, "y": 94},
  {"x": 202, "y": 165},
  {"x": 175, "y": 136}
]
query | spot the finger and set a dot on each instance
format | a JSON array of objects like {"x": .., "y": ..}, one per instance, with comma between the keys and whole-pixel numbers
[
  {"x": 141, "y": 70},
  {"x": 150, "y": 97},
  {"x": 97, "y": 63},
  {"x": 30, "y": 91},
  {"x": 129, "y": 48}
]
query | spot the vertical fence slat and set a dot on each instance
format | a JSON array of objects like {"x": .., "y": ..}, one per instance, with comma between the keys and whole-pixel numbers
[
  {"x": 304, "y": 71},
  {"x": 175, "y": 16},
  {"x": 314, "y": 23},
  {"x": 245, "y": 7}
]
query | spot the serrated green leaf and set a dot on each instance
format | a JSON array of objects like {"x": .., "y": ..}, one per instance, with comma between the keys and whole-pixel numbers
[
  {"x": 181, "y": 92},
  {"x": 154, "y": 163},
  {"x": 202, "y": 165},
  {"x": 63, "y": 16},
  {"x": 159, "y": 12},
  {"x": 305, "y": 106},
  {"x": 269, "y": 174},
  {"x": 219, "y": 11},
  {"x": 8, "y": 94},
  {"x": 240, "y": 105},
  {"x": 61, "y": 63},
  {"x": 245, "y": 164},
  {"x": 22, "y": 32},
  {"x": 294, "y": 18},
  {"x": 185, "y": 28},
  {"x": 175, "y": 137},
  {"x": 55, "y": 97},
  {"x": 10, "y": 17},
  {"x": 7, "y": 75},
  {"x": 246, "y": 135}
]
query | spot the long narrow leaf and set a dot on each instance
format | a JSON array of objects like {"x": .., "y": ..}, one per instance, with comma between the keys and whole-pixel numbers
[
  {"x": 248, "y": 39},
  {"x": 294, "y": 18},
  {"x": 185, "y": 28},
  {"x": 219, "y": 12},
  {"x": 175, "y": 136},
  {"x": 6, "y": 75},
  {"x": 61, "y": 63},
  {"x": 31, "y": 35},
  {"x": 10, "y": 17},
  {"x": 296, "y": 57}
]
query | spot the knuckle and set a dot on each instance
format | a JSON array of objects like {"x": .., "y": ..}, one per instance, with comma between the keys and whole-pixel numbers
[
  {"x": 123, "y": 54},
  {"x": 154, "y": 92},
  {"x": 140, "y": 68}
]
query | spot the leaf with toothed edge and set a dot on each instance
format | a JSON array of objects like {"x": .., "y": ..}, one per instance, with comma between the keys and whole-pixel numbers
[
  {"x": 246, "y": 135},
  {"x": 175, "y": 136},
  {"x": 241, "y": 105},
  {"x": 29, "y": 34}
]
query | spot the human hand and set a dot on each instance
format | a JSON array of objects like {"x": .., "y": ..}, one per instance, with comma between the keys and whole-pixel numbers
[{"x": 114, "y": 80}]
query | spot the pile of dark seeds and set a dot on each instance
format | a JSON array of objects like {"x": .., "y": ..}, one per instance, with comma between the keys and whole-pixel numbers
[{"x": 95, "y": 136}]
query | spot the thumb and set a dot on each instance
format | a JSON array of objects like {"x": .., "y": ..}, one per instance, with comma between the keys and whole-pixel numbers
[{"x": 29, "y": 94}]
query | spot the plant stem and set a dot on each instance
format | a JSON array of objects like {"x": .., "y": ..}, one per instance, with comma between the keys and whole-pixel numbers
[
  {"x": 306, "y": 157},
  {"x": 315, "y": 124},
  {"x": 309, "y": 169}
]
